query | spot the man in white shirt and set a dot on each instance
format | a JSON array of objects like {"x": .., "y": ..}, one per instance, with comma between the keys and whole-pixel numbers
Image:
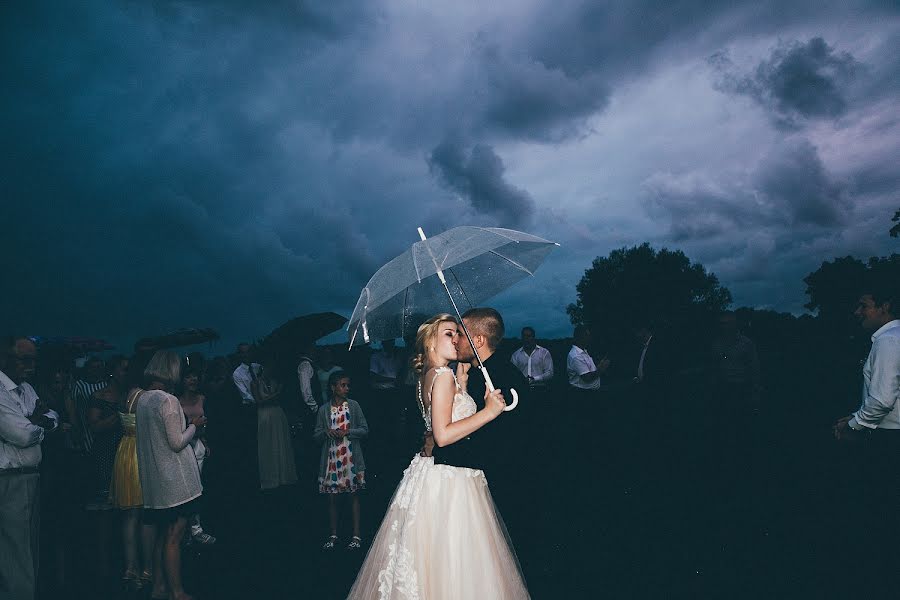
[
  {"x": 533, "y": 361},
  {"x": 244, "y": 373},
  {"x": 880, "y": 407},
  {"x": 583, "y": 373},
  {"x": 24, "y": 420},
  {"x": 384, "y": 365},
  {"x": 877, "y": 424},
  {"x": 383, "y": 402}
]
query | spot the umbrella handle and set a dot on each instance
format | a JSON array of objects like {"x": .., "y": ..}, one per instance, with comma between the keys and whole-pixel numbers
[
  {"x": 490, "y": 386},
  {"x": 515, "y": 401}
]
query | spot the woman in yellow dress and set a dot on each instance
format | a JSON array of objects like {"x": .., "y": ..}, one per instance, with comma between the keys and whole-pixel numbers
[{"x": 125, "y": 495}]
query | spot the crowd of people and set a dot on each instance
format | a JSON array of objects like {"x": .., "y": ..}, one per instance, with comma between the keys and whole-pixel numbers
[{"x": 120, "y": 444}]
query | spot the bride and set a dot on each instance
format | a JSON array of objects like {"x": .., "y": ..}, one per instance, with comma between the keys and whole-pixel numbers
[{"x": 442, "y": 537}]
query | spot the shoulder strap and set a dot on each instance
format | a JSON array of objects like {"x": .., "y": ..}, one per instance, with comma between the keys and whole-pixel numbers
[{"x": 132, "y": 398}]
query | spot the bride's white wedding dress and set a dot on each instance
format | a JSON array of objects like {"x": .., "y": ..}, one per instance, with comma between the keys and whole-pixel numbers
[{"x": 442, "y": 537}]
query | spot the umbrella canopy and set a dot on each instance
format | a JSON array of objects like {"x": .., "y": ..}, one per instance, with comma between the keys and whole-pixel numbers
[
  {"x": 177, "y": 338},
  {"x": 80, "y": 344},
  {"x": 302, "y": 330},
  {"x": 477, "y": 262}
]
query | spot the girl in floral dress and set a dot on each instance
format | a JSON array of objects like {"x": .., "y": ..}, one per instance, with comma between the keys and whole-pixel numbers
[{"x": 340, "y": 427}]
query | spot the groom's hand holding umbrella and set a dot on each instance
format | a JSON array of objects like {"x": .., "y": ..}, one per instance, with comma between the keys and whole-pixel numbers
[{"x": 494, "y": 402}]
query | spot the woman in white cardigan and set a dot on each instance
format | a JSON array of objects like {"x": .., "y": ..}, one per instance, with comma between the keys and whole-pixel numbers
[{"x": 170, "y": 479}]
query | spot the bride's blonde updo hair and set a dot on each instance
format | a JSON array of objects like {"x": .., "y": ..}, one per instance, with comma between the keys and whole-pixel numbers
[{"x": 425, "y": 339}]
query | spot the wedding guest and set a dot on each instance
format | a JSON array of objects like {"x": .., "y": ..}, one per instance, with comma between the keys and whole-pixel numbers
[
  {"x": 197, "y": 362},
  {"x": 876, "y": 423},
  {"x": 231, "y": 478},
  {"x": 586, "y": 379},
  {"x": 584, "y": 374},
  {"x": 170, "y": 478},
  {"x": 383, "y": 406},
  {"x": 192, "y": 403},
  {"x": 736, "y": 375},
  {"x": 274, "y": 449},
  {"x": 306, "y": 373},
  {"x": 244, "y": 373},
  {"x": 61, "y": 480},
  {"x": 533, "y": 361},
  {"x": 309, "y": 400},
  {"x": 340, "y": 428},
  {"x": 91, "y": 379},
  {"x": 103, "y": 424},
  {"x": 24, "y": 421},
  {"x": 411, "y": 429},
  {"x": 652, "y": 395},
  {"x": 384, "y": 367},
  {"x": 126, "y": 496},
  {"x": 324, "y": 368}
]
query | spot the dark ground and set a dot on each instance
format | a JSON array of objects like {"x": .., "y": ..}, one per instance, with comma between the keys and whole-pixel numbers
[{"x": 754, "y": 508}]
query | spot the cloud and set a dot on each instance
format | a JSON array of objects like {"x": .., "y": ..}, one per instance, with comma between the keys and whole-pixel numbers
[
  {"x": 797, "y": 83},
  {"x": 789, "y": 188},
  {"x": 527, "y": 99},
  {"x": 478, "y": 176},
  {"x": 794, "y": 179},
  {"x": 182, "y": 164}
]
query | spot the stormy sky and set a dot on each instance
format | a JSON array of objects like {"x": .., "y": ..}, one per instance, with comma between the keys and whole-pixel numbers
[{"x": 233, "y": 164}]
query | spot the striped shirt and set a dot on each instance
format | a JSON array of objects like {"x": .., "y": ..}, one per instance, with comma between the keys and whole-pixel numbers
[{"x": 81, "y": 392}]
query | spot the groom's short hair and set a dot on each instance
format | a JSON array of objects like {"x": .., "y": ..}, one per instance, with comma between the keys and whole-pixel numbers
[{"x": 487, "y": 322}]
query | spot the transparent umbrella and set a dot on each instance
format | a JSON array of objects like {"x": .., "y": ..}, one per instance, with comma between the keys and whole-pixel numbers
[{"x": 459, "y": 268}]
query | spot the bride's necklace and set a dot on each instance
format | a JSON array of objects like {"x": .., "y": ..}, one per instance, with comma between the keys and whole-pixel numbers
[{"x": 422, "y": 405}]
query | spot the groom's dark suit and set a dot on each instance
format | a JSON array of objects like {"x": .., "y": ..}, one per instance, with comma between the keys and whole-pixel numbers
[
  {"x": 499, "y": 444},
  {"x": 501, "y": 447}
]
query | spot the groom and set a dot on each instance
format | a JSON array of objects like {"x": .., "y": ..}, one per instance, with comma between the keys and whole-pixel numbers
[{"x": 500, "y": 446}]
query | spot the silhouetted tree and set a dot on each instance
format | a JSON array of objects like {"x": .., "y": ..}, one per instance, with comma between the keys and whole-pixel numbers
[
  {"x": 895, "y": 230},
  {"x": 834, "y": 288},
  {"x": 640, "y": 284}
]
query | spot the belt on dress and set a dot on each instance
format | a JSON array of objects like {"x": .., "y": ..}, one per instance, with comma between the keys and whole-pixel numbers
[{"x": 19, "y": 471}]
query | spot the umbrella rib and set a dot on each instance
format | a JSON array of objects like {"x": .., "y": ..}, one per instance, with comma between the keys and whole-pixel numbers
[
  {"x": 461, "y": 288},
  {"x": 405, "y": 304},
  {"x": 511, "y": 261},
  {"x": 415, "y": 262},
  {"x": 495, "y": 232}
]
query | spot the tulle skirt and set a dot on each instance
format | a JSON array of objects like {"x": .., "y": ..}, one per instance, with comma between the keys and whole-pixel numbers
[
  {"x": 441, "y": 539},
  {"x": 274, "y": 449},
  {"x": 125, "y": 487}
]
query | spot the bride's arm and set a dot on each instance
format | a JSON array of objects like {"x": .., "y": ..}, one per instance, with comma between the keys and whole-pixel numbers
[{"x": 447, "y": 432}]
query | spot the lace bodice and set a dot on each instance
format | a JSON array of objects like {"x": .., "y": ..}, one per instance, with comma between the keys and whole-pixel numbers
[{"x": 463, "y": 404}]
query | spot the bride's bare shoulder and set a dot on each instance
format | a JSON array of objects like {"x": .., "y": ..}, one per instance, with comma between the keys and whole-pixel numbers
[{"x": 433, "y": 378}]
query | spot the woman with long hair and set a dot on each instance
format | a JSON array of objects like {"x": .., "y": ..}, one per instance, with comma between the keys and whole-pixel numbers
[{"x": 442, "y": 537}]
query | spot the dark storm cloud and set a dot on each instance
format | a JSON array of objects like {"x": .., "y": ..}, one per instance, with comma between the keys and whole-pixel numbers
[
  {"x": 527, "y": 99},
  {"x": 477, "y": 176},
  {"x": 794, "y": 179},
  {"x": 149, "y": 178},
  {"x": 798, "y": 82},
  {"x": 620, "y": 37},
  {"x": 234, "y": 164},
  {"x": 789, "y": 189}
]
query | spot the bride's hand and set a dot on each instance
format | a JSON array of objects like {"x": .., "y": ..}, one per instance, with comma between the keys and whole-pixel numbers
[
  {"x": 462, "y": 374},
  {"x": 494, "y": 402}
]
